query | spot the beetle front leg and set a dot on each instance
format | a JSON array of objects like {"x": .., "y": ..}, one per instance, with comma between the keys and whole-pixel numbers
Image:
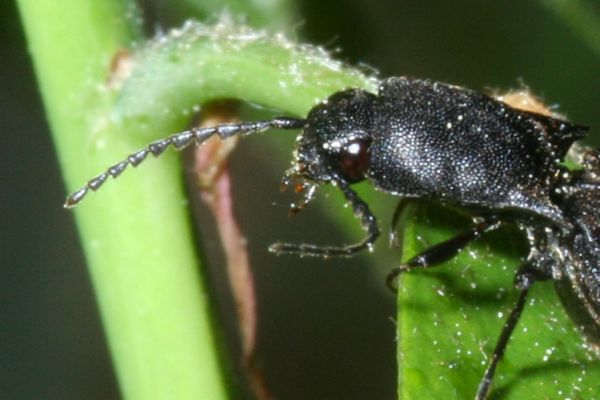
[{"x": 360, "y": 209}]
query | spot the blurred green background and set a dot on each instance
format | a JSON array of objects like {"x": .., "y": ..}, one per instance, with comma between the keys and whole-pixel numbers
[{"x": 51, "y": 343}]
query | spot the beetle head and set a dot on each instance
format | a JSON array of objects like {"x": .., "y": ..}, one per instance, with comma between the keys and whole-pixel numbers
[{"x": 334, "y": 144}]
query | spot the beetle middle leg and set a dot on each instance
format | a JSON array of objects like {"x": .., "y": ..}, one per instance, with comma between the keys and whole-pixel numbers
[{"x": 444, "y": 251}]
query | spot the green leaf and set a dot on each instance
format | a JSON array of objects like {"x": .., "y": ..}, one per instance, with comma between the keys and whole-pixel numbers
[{"x": 450, "y": 317}]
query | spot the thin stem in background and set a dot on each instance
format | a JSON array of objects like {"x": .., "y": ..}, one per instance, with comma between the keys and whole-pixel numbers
[{"x": 581, "y": 16}]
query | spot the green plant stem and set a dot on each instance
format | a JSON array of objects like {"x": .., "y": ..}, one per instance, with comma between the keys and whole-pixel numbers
[
  {"x": 176, "y": 73},
  {"x": 136, "y": 235},
  {"x": 137, "y": 242}
]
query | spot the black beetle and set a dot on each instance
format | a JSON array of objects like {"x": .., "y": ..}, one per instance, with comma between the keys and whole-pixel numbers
[{"x": 421, "y": 139}]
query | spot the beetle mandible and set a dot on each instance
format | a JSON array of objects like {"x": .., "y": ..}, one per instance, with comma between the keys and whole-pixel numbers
[{"x": 421, "y": 139}]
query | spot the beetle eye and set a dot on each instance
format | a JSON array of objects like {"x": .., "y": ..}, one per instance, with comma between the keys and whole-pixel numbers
[{"x": 354, "y": 159}]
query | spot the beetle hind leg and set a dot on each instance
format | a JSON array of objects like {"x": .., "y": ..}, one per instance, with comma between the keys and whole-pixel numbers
[{"x": 524, "y": 280}]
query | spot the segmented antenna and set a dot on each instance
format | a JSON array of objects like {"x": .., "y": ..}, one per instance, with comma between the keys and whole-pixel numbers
[{"x": 180, "y": 141}]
